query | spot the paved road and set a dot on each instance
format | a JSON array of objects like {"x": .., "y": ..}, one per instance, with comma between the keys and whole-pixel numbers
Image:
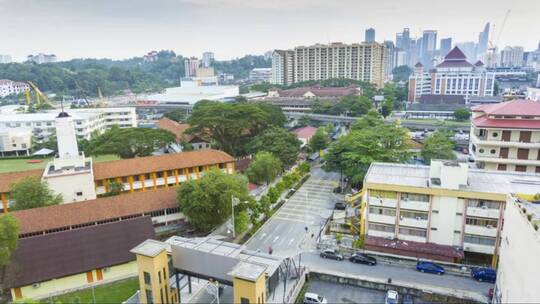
[
  {"x": 309, "y": 206},
  {"x": 397, "y": 273}
]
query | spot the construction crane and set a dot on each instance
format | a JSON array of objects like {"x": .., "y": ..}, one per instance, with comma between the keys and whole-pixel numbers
[
  {"x": 41, "y": 99},
  {"x": 492, "y": 50}
]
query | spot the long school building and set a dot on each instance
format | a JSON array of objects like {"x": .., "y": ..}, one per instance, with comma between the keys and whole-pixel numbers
[
  {"x": 444, "y": 211},
  {"x": 140, "y": 174}
]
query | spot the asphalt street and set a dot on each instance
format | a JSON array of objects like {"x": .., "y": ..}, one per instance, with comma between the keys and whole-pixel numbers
[{"x": 286, "y": 231}]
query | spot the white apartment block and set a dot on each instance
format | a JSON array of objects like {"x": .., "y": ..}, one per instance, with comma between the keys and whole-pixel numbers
[
  {"x": 511, "y": 57},
  {"x": 533, "y": 93},
  {"x": 444, "y": 211},
  {"x": 15, "y": 141},
  {"x": 42, "y": 58},
  {"x": 260, "y": 74},
  {"x": 454, "y": 76},
  {"x": 9, "y": 87},
  {"x": 517, "y": 274},
  {"x": 364, "y": 62},
  {"x": 506, "y": 136},
  {"x": 86, "y": 121},
  {"x": 5, "y": 59}
]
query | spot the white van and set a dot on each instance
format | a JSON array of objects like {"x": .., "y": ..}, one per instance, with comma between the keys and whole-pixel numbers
[
  {"x": 392, "y": 297},
  {"x": 313, "y": 298}
]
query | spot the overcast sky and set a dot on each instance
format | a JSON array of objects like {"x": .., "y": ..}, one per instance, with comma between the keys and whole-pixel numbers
[{"x": 232, "y": 28}]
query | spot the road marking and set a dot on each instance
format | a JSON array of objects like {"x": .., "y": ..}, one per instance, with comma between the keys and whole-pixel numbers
[
  {"x": 290, "y": 242},
  {"x": 262, "y": 235},
  {"x": 289, "y": 220},
  {"x": 277, "y": 237}
]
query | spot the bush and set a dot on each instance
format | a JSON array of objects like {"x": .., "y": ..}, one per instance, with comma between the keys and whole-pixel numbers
[
  {"x": 273, "y": 195},
  {"x": 304, "y": 167},
  {"x": 359, "y": 242},
  {"x": 529, "y": 216}
]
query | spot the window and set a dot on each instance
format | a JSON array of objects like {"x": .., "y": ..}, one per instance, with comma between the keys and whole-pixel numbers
[
  {"x": 480, "y": 240},
  {"x": 484, "y": 204},
  {"x": 244, "y": 301},
  {"x": 414, "y": 197},
  {"x": 492, "y": 151},
  {"x": 537, "y": 170},
  {"x": 161, "y": 294},
  {"x": 383, "y": 194},
  {"x": 79, "y": 193},
  {"x": 520, "y": 168},
  {"x": 501, "y": 167},
  {"x": 381, "y": 227},
  {"x": 149, "y": 296},
  {"x": 433, "y": 229},
  {"x": 523, "y": 154},
  {"x": 413, "y": 214},
  {"x": 481, "y": 150},
  {"x": 481, "y": 222},
  {"x": 159, "y": 277},
  {"x": 382, "y": 211},
  {"x": 164, "y": 275},
  {"x": 412, "y": 231},
  {"x": 147, "y": 278},
  {"x": 495, "y": 134}
]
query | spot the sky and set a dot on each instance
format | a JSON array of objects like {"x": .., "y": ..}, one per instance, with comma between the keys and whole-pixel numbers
[{"x": 232, "y": 28}]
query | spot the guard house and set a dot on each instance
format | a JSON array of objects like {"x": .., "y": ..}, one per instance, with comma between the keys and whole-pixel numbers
[{"x": 255, "y": 277}]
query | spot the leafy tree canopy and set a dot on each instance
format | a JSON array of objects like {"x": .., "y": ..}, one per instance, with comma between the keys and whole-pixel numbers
[
  {"x": 319, "y": 140},
  {"x": 9, "y": 237},
  {"x": 264, "y": 168},
  {"x": 31, "y": 192},
  {"x": 207, "y": 201},
  {"x": 178, "y": 115},
  {"x": 279, "y": 142},
  {"x": 462, "y": 114},
  {"x": 438, "y": 146},
  {"x": 401, "y": 73},
  {"x": 129, "y": 142}
]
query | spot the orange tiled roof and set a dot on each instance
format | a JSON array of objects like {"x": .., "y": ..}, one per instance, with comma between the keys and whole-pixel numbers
[
  {"x": 6, "y": 179},
  {"x": 178, "y": 129}
]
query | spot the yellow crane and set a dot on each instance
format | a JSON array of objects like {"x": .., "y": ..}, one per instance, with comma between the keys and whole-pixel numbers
[{"x": 41, "y": 99}]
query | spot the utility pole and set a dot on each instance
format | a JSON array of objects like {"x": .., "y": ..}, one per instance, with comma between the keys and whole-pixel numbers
[{"x": 233, "y": 228}]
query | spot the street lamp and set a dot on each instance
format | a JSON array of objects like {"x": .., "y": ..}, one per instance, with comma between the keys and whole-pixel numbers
[{"x": 234, "y": 201}]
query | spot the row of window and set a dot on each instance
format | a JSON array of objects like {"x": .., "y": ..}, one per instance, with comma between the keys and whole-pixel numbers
[{"x": 480, "y": 240}]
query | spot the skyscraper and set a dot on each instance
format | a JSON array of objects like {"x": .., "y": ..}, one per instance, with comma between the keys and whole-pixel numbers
[
  {"x": 207, "y": 59},
  {"x": 445, "y": 47},
  {"x": 390, "y": 63},
  {"x": 370, "y": 35},
  {"x": 428, "y": 47},
  {"x": 403, "y": 40},
  {"x": 483, "y": 39}
]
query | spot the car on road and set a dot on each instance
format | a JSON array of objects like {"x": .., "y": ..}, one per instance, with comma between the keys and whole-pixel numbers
[
  {"x": 429, "y": 267},
  {"x": 392, "y": 297},
  {"x": 363, "y": 258},
  {"x": 340, "y": 206},
  {"x": 313, "y": 298},
  {"x": 337, "y": 190},
  {"x": 483, "y": 274},
  {"x": 331, "y": 254}
]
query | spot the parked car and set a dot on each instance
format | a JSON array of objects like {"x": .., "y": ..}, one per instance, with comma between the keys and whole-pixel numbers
[
  {"x": 313, "y": 298},
  {"x": 363, "y": 258},
  {"x": 331, "y": 254},
  {"x": 429, "y": 267},
  {"x": 392, "y": 297},
  {"x": 408, "y": 299},
  {"x": 340, "y": 206},
  {"x": 337, "y": 189},
  {"x": 483, "y": 274}
]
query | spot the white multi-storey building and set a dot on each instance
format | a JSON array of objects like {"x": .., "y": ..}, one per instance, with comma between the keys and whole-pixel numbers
[
  {"x": 86, "y": 121},
  {"x": 5, "y": 58},
  {"x": 42, "y": 58},
  {"x": 364, "y": 62},
  {"x": 520, "y": 248},
  {"x": 260, "y": 74},
  {"x": 506, "y": 136},
  {"x": 8, "y": 87},
  {"x": 511, "y": 57},
  {"x": 444, "y": 211},
  {"x": 454, "y": 76},
  {"x": 15, "y": 141}
]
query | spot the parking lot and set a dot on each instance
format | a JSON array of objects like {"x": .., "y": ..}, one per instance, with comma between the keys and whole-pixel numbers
[{"x": 341, "y": 293}]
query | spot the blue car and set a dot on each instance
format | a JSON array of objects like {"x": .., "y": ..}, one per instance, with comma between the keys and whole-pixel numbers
[
  {"x": 484, "y": 274},
  {"x": 429, "y": 267}
]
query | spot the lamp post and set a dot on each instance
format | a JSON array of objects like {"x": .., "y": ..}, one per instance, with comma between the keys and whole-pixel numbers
[{"x": 233, "y": 202}]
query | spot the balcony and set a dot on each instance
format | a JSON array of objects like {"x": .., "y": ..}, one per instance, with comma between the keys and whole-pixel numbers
[
  {"x": 509, "y": 160},
  {"x": 483, "y": 141},
  {"x": 471, "y": 247},
  {"x": 412, "y": 238},
  {"x": 383, "y": 202},
  {"x": 381, "y": 218},
  {"x": 383, "y": 234},
  {"x": 414, "y": 222},
  {"x": 483, "y": 212},
  {"x": 414, "y": 205},
  {"x": 481, "y": 230}
]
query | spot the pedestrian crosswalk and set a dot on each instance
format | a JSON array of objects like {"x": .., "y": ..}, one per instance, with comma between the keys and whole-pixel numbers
[{"x": 308, "y": 204}]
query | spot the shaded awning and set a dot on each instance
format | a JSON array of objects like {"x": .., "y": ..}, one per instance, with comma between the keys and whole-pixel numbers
[{"x": 43, "y": 152}]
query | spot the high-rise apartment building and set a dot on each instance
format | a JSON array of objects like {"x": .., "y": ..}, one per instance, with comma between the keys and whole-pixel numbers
[
  {"x": 512, "y": 57},
  {"x": 207, "y": 59},
  {"x": 445, "y": 47},
  {"x": 390, "y": 64},
  {"x": 454, "y": 76},
  {"x": 506, "y": 136},
  {"x": 370, "y": 35},
  {"x": 364, "y": 62},
  {"x": 428, "y": 47},
  {"x": 190, "y": 66}
]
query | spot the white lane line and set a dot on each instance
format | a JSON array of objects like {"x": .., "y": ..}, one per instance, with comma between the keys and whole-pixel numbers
[
  {"x": 277, "y": 237},
  {"x": 262, "y": 236},
  {"x": 290, "y": 242}
]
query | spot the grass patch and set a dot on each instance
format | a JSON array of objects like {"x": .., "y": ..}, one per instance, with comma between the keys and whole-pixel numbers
[
  {"x": 116, "y": 292},
  {"x": 21, "y": 164},
  {"x": 302, "y": 293}
]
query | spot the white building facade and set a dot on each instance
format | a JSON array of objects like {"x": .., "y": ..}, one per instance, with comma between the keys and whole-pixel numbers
[
  {"x": 260, "y": 75},
  {"x": 86, "y": 121},
  {"x": 454, "y": 76},
  {"x": 15, "y": 141},
  {"x": 9, "y": 87},
  {"x": 511, "y": 57}
]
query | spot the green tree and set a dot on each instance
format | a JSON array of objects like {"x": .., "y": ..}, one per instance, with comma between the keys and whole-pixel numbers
[
  {"x": 279, "y": 142},
  {"x": 115, "y": 188},
  {"x": 401, "y": 73},
  {"x": 387, "y": 107},
  {"x": 130, "y": 142},
  {"x": 9, "y": 238},
  {"x": 264, "y": 168},
  {"x": 319, "y": 140},
  {"x": 178, "y": 115},
  {"x": 230, "y": 125},
  {"x": 438, "y": 146},
  {"x": 277, "y": 118},
  {"x": 462, "y": 114},
  {"x": 370, "y": 140},
  {"x": 32, "y": 192},
  {"x": 241, "y": 221},
  {"x": 207, "y": 201}
]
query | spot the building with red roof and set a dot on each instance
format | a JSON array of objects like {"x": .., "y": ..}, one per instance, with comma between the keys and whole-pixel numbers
[
  {"x": 506, "y": 136},
  {"x": 454, "y": 76},
  {"x": 304, "y": 134}
]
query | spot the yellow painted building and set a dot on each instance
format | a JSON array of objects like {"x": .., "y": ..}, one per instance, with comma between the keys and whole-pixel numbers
[
  {"x": 249, "y": 283},
  {"x": 66, "y": 261}
]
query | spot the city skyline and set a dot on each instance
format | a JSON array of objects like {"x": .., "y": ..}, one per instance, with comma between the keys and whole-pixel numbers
[{"x": 102, "y": 29}]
